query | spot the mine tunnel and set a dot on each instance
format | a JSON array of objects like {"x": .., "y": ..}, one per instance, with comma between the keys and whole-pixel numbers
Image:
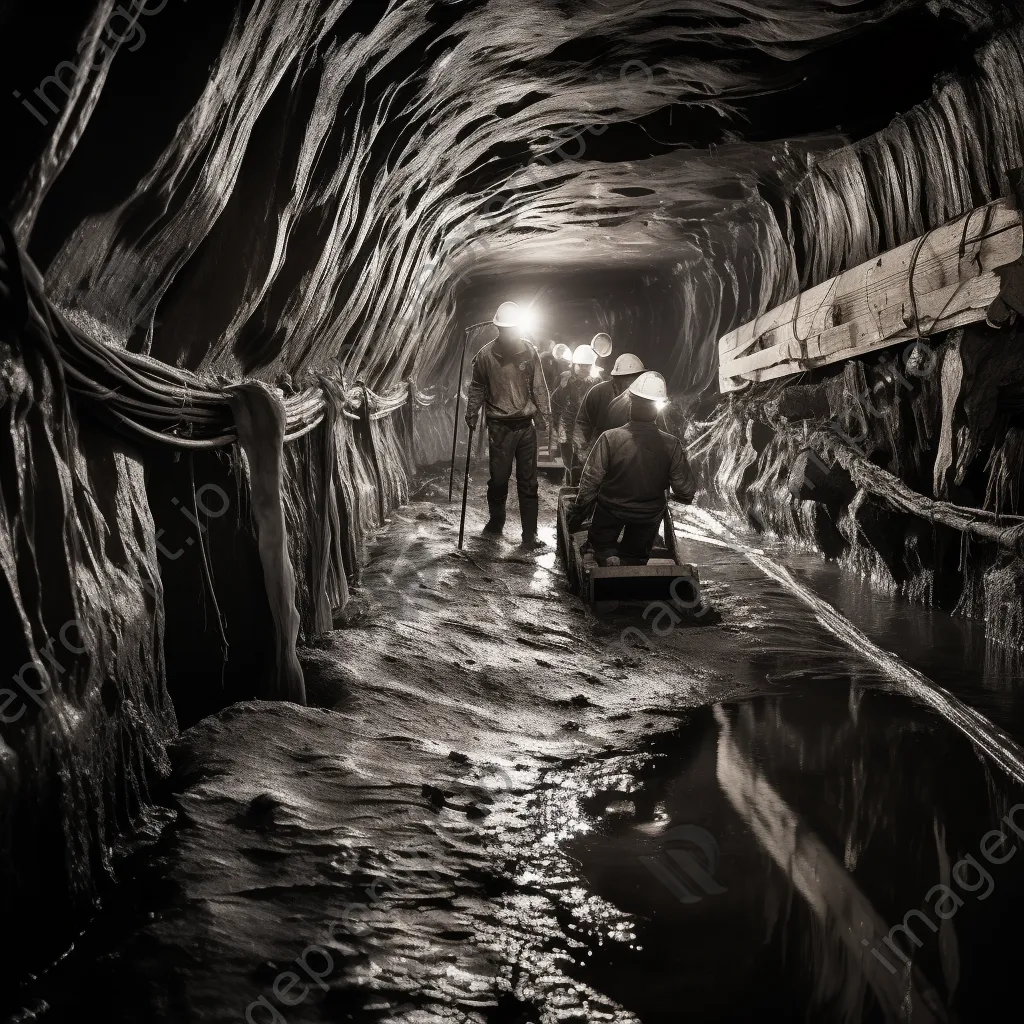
[{"x": 511, "y": 513}]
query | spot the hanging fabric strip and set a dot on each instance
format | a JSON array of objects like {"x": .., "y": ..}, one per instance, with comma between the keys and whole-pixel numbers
[
  {"x": 332, "y": 586},
  {"x": 260, "y": 420}
]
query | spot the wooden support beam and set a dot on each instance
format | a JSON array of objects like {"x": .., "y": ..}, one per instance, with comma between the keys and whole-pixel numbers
[{"x": 947, "y": 278}]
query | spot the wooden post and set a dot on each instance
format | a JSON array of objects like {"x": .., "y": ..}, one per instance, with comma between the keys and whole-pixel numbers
[{"x": 381, "y": 500}]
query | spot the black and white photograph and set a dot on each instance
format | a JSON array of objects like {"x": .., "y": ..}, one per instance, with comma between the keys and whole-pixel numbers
[{"x": 511, "y": 512}]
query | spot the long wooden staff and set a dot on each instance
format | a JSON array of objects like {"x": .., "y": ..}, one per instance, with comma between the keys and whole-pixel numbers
[{"x": 465, "y": 486}]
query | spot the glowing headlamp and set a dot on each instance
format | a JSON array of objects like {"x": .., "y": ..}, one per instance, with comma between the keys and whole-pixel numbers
[{"x": 528, "y": 320}]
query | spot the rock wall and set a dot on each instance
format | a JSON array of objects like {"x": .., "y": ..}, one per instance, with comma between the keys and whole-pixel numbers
[
  {"x": 904, "y": 468},
  {"x": 84, "y": 712}
]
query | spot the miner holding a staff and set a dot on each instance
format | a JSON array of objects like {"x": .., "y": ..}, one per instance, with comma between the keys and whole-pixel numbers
[{"x": 508, "y": 383}]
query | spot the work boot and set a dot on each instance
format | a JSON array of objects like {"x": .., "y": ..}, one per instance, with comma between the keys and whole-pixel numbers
[
  {"x": 494, "y": 526},
  {"x": 528, "y": 510},
  {"x": 497, "y": 521}
]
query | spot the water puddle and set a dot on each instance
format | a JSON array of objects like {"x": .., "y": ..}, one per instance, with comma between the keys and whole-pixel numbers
[
  {"x": 952, "y": 651},
  {"x": 766, "y": 858},
  {"x": 1001, "y": 746}
]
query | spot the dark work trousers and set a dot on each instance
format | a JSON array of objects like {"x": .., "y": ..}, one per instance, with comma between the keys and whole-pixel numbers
[
  {"x": 513, "y": 440},
  {"x": 637, "y": 538},
  {"x": 573, "y": 466}
]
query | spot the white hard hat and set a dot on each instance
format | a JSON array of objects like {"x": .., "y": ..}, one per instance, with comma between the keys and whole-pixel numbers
[
  {"x": 602, "y": 344},
  {"x": 509, "y": 315},
  {"x": 584, "y": 356},
  {"x": 649, "y": 385},
  {"x": 627, "y": 364},
  {"x": 563, "y": 353}
]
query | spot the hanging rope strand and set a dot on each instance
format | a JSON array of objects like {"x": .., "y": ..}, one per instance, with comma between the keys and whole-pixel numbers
[{"x": 159, "y": 403}]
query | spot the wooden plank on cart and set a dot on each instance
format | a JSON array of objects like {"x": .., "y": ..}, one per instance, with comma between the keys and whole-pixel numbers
[{"x": 669, "y": 528}]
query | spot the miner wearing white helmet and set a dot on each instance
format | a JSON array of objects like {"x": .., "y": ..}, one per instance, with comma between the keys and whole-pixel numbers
[
  {"x": 626, "y": 477},
  {"x": 561, "y": 360},
  {"x": 605, "y": 406},
  {"x": 508, "y": 380},
  {"x": 602, "y": 344},
  {"x": 565, "y": 403}
]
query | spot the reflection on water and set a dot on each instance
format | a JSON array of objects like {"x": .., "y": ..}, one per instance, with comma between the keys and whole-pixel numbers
[
  {"x": 547, "y": 568},
  {"x": 838, "y": 816},
  {"x": 820, "y": 877}
]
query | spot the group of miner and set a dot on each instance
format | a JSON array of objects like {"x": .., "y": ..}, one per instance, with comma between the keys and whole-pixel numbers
[{"x": 607, "y": 432}]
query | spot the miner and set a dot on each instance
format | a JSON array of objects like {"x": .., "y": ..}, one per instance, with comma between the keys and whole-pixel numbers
[
  {"x": 549, "y": 363},
  {"x": 605, "y": 406},
  {"x": 555, "y": 360},
  {"x": 508, "y": 381},
  {"x": 565, "y": 404},
  {"x": 626, "y": 477},
  {"x": 562, "y": 356}
]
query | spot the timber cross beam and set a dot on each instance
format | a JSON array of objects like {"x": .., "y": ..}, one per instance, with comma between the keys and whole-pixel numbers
[{"x": 968, "y": 269}]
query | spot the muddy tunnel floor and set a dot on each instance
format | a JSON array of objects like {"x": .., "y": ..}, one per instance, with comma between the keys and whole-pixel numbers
[{"x": 504, "y": 809}]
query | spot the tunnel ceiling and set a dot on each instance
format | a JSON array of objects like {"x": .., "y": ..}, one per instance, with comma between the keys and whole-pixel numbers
[{"x": 271, "y": 186}]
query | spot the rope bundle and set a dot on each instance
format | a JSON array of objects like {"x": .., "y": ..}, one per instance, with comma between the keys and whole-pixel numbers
[{"x": 158, "y": 402}]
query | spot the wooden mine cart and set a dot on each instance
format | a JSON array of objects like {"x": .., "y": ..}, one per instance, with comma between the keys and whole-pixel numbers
[
  {"x": 666, "y": 577},
  {"x": 549, "y": 458}
]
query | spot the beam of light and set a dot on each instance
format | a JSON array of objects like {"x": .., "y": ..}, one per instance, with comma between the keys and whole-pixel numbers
[{"x": 529, "y": 320}]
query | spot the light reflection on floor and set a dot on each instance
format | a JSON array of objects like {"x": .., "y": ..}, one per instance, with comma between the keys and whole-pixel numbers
[{"x": 546, "y": 562}]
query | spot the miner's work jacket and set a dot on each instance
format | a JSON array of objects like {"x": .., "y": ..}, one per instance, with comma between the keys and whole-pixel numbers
[
  {"x": 512, "y": 385},
  {"x": 629, "y": 470}
]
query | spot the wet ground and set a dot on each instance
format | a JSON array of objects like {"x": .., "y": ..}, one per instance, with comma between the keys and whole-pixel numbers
[{"x": 507, "y": 810}]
